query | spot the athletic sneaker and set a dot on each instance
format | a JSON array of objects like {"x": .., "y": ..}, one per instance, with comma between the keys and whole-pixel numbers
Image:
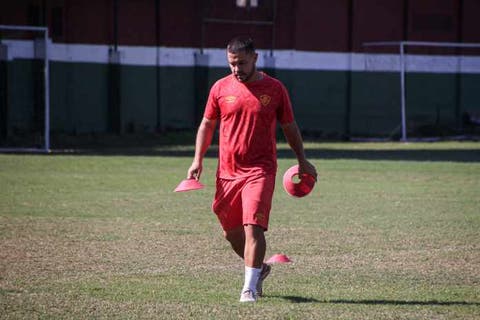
[
  {"x": 248, "y": 296},
  {"x": 265, "y": 272}
]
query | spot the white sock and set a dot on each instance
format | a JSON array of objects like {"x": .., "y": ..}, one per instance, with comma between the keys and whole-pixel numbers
[{"x": 251, "y": 278}]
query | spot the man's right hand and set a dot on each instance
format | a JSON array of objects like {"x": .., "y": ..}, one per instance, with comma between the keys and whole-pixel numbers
[
  {"x": 202, "y": 142},
  {"x": 195, "y": 171}
]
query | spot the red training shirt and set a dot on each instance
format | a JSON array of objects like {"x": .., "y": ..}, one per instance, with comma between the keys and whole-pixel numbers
[{"x": 248, "y": 114}]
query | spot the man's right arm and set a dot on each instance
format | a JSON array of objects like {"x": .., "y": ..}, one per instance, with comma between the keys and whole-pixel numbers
[{"x": 203, "y": 141}]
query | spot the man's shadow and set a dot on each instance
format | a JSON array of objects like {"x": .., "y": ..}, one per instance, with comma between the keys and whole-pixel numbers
[{"x": 297, "y": 299}]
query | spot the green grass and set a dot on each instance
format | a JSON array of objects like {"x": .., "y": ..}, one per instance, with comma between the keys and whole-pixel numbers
[{"x": 391, "y": 231}]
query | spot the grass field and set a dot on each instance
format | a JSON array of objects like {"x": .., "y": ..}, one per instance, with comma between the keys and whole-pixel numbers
[{"x": 391, "y": 231}]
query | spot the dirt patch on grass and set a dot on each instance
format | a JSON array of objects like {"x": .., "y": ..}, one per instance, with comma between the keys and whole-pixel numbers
[
  {"x": 33, "y": 250},
  {"x": 439, "y": 260}
]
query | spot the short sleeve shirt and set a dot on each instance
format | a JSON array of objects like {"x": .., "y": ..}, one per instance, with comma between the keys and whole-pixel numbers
[{"x": 248, "y": 114}]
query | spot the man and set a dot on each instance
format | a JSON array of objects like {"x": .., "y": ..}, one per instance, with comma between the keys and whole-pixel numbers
[{"x": 247, "y": 104}]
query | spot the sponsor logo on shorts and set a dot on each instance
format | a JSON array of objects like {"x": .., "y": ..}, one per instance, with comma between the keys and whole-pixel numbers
[{"x": 260, "y": 216}]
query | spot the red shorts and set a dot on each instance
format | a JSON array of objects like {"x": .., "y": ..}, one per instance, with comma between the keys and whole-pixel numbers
[{"x": 244, "y": 201}]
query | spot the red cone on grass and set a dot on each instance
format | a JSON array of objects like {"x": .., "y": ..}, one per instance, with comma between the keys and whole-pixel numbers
[{"x": 278, "y": 258}]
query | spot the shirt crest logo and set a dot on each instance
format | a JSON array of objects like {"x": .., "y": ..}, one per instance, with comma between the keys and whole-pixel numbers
[
  {"x": 265, "y": 99},
  {"x": 230, "y": 99}
]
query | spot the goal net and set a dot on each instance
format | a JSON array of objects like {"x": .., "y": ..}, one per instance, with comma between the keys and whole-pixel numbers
[
  {"x": 423, "y": 89},
  {"x": 24, "y": 89}
]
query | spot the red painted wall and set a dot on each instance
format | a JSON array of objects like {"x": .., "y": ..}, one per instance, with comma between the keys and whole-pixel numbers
[
  {"x": 471, "y": 21},
  {"x": 321, "y": 25},
  {"x": 91, "y": 24},
  {"x": 313, "y": 25},
  {"x": 433, "y": 20},
  {"x": 377, "y": 20}
]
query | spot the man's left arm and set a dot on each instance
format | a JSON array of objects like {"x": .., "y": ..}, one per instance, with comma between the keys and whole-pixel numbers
[{"x": 295, "y": 141}]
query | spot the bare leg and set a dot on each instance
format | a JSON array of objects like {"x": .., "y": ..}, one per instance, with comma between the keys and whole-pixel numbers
[
  {"x": 249, "y": 243},
  {"x": 236, "y": 237},
  {"x": 255, "y": 246}
]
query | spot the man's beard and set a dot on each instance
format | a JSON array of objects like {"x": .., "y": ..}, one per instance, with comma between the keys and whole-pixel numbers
[{"x": 245, "y": 77}]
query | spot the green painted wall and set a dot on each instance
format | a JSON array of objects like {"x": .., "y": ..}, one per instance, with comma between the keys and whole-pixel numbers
[
  {"x": 178, "y": 97},
  {"x": 148, "y": 98},
  {"x": 325, "y": 102},
  {"x": 318, "y": 98},
  {"x": 21, "y": 96},
  {"x": 79, "y": 97},
  {"x": 375, "y": 104}
]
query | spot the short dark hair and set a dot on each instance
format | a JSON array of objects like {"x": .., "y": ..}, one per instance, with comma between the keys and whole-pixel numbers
[{"x": 241, "y": 43}]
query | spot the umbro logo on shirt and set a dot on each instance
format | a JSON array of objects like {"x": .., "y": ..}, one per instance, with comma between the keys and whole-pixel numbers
[{"x": 230, "y": 99}]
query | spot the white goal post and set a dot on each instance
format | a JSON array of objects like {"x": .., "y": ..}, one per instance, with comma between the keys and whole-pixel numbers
[
  {"x": 46, "y": 73},
  {"x": 402, "y": 66}
]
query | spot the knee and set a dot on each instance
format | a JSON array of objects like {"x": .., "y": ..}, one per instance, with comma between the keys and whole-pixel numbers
[{"x": 227, "y": 235}]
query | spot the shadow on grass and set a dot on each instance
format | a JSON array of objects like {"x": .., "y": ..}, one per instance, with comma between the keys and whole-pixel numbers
[
  {"x": 453, "y": 155},
  {"x": 297, "y": 299}
]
